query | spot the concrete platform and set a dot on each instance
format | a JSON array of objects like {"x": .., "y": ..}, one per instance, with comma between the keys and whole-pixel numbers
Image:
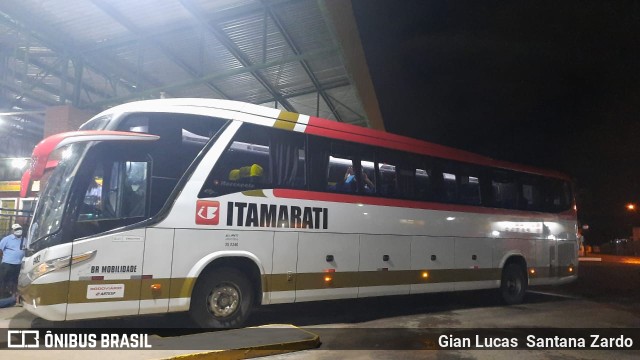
[
  {"x": 227, "y": 345},
  {"x": 242, "y": 343}
]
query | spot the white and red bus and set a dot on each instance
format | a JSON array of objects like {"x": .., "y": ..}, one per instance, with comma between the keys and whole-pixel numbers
[{"x": 214, "y": 207}]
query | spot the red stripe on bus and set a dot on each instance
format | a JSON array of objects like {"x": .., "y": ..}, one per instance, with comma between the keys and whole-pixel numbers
[
  {"x": 412, "y": 204},
  {"x": 347, "y": 132}
]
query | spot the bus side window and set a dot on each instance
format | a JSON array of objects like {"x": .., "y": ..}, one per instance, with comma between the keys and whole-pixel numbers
[
  {"x": 92, "y": 203},
  {"x": 368, "y": 180},
  {"x": 469, "y": 187},
  {"x": 532, "y": 193},
  {"x": 331, "y": 165},
  {"x": 423, "y": 184},
  {"x": 450, "y": 187},
  {"x": 395, "y": 173},
  {"x": 425, "y": 178},
  {"x": 558, "y": 195},
  {"x": 115, "y": 194},
  {"x": 119, "y": 193},
  {"x": 243, "y": 166},
  {"x": 504, "y": 190},
  {"x": 340, "y": 176},
  {"x": 259, "y": 158},
  {"x": 388, "y": 180}
]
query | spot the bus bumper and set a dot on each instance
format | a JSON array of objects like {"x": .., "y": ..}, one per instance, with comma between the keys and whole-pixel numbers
[{"x": 44, "y": 300}]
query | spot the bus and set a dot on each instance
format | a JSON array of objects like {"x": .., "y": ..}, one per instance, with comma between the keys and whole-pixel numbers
[{"x": 214, "y": 207}]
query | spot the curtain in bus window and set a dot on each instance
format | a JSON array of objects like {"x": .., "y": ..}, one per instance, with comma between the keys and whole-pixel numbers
[
  {"x": 532, "y": 194},
  {"x": 320, "y": 171},
  {"x": 423, "y": 185},
  {"x": 318, "y": 153},
  {"x": 134, "y": 189},
  {"x": 558, "y": 195},
  {"x": 423, "y": 176},
  {"x": 388, "y": 179},
  {"x": 287, "y": 160},
  {"x": 469, "y": 190},
  {"x": 405, "y": 177},
  {"x": 450, "y": 187},
  {"x": 505, "y": 191}
]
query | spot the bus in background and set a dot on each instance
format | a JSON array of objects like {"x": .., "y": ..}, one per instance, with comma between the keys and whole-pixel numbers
[
  {"x": 13, "y": 208},
  {"x": 215, "y": 206}
]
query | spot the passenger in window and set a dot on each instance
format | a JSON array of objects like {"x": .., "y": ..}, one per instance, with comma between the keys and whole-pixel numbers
[
  {"x": 92, "y": 205},
  {"x": 369, "y": 186},
  {"x": 135, "y": 199},
  {"x": 349, "y": 183},
  {"x": 349, "y": 176}
]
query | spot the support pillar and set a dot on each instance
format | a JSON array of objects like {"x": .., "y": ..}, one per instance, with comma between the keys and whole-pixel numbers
[{"x": 64, "y": 118}]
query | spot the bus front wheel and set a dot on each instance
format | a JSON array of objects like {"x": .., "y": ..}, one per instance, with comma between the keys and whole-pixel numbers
[
  {"x": 222, "y": 298},
  {"x": 514, "y": 284}
]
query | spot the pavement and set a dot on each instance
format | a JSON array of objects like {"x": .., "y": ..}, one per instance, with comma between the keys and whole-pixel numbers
[
  {"x": 226, "y": 345},
  {"x": 617, "y": 259}
]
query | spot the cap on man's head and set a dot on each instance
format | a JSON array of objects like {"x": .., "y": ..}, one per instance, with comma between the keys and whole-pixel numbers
[{"x": 16, "y": 227}]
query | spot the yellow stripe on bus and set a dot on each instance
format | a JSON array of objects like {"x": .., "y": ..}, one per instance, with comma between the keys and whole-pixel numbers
[
  {"x": 286, "y": 120},
  {"x": 75, "y": 292},
  {"x": 254, "y": 193}
]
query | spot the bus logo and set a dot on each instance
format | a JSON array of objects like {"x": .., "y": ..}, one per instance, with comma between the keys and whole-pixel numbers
[{"x": 207, "y": 212}]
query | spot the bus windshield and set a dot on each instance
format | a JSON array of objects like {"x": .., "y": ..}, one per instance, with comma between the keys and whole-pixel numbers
[{"x": 54, "y": 198}]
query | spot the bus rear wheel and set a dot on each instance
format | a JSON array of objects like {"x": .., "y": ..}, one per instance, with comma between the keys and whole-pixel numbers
[
  {"x": 513, "y": 285},
  {"x": 222, "y": 299}
]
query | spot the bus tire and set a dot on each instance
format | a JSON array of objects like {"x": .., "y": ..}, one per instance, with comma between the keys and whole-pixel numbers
[
  {"x": 513, "y": 285},
  {"x": 222, "y": 299}
]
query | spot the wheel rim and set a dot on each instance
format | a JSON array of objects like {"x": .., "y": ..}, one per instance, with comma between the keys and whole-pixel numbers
[
  {"x": 514, "y": 286},
  {"x": 223, "y": 300}
]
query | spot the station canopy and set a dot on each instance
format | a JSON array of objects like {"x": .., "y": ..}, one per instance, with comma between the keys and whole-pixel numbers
[{"x": 94, "y": 54}]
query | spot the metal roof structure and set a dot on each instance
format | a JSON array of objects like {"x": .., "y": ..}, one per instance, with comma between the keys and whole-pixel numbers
[{"x": 97, "y": 53}]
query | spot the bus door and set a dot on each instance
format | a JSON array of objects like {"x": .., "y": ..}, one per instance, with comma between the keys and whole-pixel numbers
[{"x": 115, "y": 196}]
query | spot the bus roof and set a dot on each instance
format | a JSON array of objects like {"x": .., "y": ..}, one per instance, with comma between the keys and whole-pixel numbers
[{"x": 265, "y": 116}]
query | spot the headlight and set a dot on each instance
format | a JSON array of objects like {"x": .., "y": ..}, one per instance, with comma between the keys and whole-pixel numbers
[
  {"x": 53, "y": 265},
  {"x": 49, "y": 266}
]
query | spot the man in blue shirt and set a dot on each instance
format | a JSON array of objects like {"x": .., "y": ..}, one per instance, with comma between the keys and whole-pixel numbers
[{"x": 11, "y": 247}]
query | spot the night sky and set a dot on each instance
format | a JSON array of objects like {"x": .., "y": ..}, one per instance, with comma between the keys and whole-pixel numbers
[{"x": 554, "y": 84}]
